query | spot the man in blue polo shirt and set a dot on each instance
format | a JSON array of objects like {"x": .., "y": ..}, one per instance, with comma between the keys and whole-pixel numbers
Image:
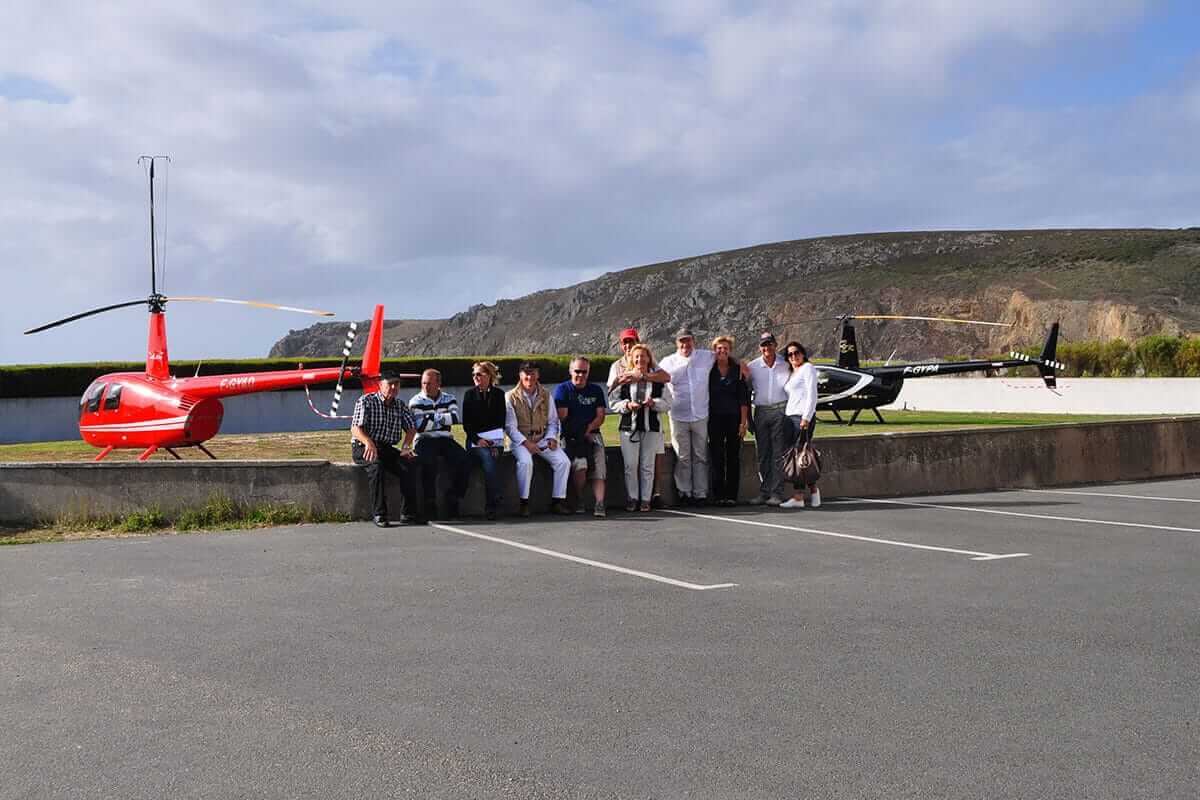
[{"x": 581, "y": 407}]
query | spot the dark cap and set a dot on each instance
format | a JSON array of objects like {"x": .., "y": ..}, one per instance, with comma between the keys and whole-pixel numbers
[
  {"x": 766, "y": 338},
  {"x": 530, "y": 366},
  {"x": 389, "y": 375},
  {"x": 684, "y": 333}
]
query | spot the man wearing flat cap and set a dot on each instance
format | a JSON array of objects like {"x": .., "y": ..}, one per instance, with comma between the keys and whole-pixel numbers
[
  {"x": 380, "y": 421},
  {"x": 689, "y": 368},
  {"x": 772, "y": 430}
]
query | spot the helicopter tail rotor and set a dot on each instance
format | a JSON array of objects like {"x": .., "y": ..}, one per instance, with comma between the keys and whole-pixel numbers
[{"x": 1046, "y": 364}]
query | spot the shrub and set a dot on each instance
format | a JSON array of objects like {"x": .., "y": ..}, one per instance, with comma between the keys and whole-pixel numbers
[
  {"x": 1157, "y": 355},
  {"x": 1187, "y": 358}
]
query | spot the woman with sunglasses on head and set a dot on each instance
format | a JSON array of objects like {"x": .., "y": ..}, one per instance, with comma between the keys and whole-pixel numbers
[
  {"x": 640, "y": 404},
  {"x": 801, "y": 390},
  {"x": 483, "y": 417}
]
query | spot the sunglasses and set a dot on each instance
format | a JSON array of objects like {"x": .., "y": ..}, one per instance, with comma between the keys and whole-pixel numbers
[
  {"x": 579, "y": 372},
  {"x": 478, "y": 374},
  {"x": 794, "y": 353}
]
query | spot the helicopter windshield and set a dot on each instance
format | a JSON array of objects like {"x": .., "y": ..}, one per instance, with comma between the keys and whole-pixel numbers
[{"x": 91, "y": 398}]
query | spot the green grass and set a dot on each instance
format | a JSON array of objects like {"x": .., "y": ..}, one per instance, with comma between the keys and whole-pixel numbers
[{"x": 218, "y": 513}]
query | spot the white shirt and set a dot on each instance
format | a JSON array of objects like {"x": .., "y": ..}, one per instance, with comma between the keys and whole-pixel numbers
[
  {"x": 767, "y": 382},
  {"x": 689, "y": 379},
  {"x": 510, "y": 419},
  {"x": 801, "y": 391}
]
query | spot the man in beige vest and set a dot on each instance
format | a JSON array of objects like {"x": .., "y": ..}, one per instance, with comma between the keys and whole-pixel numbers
[{"x": 531, "y": 422}]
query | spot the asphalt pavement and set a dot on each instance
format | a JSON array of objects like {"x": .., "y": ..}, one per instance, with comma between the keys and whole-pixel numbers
[{"x": 1002, "y": 645}]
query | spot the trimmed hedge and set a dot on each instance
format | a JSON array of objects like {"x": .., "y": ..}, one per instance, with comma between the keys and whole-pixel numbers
[{"x": 69, "y": 380}]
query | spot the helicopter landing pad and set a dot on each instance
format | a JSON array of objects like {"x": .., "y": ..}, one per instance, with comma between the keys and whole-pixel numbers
[{"x": 1004, "y": 644}]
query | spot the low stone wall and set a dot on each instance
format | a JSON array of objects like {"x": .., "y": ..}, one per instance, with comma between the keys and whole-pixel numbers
[{"x": 872, "y": 465}]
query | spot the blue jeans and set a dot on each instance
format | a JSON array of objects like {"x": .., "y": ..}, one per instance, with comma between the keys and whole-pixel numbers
[{"x": 488, "y": 459}]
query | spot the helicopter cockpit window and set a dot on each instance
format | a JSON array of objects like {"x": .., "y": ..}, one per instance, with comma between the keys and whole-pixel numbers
[
  {"x": 92, "y": 398},
  {"x": 112, "y": 400}
]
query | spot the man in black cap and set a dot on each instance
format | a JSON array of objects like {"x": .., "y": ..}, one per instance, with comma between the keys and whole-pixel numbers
[
  {"x": 772, "y": 431},
  {"x": 380, "y": 420}
]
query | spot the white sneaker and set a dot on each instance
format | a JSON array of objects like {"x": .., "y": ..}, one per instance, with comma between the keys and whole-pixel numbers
[
  {"x": 815, "y": 500},
  {"x": 792, "y": 503},
  {"x": 774, "y": 501}
]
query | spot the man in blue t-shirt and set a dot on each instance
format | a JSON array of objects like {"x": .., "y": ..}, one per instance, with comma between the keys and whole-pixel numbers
[{"x": 581, "y": 407}]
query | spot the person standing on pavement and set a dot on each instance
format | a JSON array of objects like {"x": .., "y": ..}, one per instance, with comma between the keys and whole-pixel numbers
[
  {"x": 728, "y": 418},
  {"x": 689, "y": 368},
  {"x": 436, "y": 411},
  {"x": 640, "y": 404},
  {"x": 801, "y": 390},
  {"x": 581, "y": 408},
  {"x": 622, "y": 372},
  {"x": 531, "y": 421},
  {"x": 379, "y": 421},
  {"x": 772, "y": 432}
]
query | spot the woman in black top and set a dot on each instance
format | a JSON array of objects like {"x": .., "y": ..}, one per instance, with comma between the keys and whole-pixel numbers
[
  {"x": 483, "y": 411},
  {"x": 728, "y": 416}
]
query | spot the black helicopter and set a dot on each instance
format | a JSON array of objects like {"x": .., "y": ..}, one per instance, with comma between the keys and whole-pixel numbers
[{"x": 851, "y": 387}]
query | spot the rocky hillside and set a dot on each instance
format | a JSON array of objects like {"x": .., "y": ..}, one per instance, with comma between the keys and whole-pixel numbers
[{"x": 1101, "y": 284}]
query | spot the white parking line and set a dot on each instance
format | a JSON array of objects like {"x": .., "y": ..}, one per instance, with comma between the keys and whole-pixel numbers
[
  {"x": 589, "y": 562},
  {"x": 1113, "y": 523},
  {"x": 1111, "y": 494},
  {"x": 976, "y": 556}
]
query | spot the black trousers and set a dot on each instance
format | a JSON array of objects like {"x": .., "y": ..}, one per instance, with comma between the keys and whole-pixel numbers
[
  {"x": 429, "y": 450},
  {"x": 724, "y": 455},
  {"x": 387, "y": 459}
]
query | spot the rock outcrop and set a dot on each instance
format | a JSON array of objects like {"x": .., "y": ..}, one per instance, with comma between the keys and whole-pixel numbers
[{"x": 1100, "y": 284}]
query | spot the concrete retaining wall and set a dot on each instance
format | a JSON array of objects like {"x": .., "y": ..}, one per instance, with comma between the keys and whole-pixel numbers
[
  {"x": 1073, "y": 396},
  {"x": 886, "y": 465}
]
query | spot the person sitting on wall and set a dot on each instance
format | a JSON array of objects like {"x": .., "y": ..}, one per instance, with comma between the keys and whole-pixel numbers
[
  {"x": 378, "y": 423},
  {"x": 581, "y": 407},
  {"x": 532, "y": 426},
  {"x": 435, "y": 412},
  {"x": 483, "y": 419}
]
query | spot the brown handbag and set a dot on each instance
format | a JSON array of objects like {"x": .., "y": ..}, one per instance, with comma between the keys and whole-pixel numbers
[{"x": 802, "y": 462}]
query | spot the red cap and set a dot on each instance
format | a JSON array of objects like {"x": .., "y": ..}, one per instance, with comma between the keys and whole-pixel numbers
[{"x": 628, "y": 333}]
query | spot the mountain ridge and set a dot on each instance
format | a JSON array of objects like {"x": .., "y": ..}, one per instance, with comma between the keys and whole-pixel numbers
[{"x": 1101, "y": 283}]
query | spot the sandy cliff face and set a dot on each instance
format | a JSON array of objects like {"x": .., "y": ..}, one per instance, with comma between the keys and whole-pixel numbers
[{"x": 1099, "y": 284}]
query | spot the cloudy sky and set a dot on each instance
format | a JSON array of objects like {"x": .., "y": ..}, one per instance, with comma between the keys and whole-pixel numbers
[{"x": 433, "y": 156}]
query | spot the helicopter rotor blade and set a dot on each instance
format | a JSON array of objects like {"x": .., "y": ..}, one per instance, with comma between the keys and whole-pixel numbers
[
  {"x": 256, "y": 304},
  {"x": 74, "y": 317},
  {"x": 933, "y": 319}
]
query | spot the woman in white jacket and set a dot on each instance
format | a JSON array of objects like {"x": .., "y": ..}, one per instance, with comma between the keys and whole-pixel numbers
[
  {"x": 640, "y": 404},
  {"x": 801, "y": 390}
]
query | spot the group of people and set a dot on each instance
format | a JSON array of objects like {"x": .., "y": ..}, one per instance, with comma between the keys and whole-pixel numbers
[{"x": 710, "y": 399}]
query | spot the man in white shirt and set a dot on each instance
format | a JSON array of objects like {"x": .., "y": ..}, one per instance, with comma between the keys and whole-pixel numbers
[
  {"x": 689, "y": 368},
  {"x": 772, "y": 430},
  {"x": 531, "y": 421}
]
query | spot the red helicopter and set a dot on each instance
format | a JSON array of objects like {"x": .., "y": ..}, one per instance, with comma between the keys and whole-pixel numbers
[{"x": 153, "y": 409}]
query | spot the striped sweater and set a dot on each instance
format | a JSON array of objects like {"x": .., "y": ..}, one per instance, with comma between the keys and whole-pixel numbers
[{"x": 434, "y": 417}]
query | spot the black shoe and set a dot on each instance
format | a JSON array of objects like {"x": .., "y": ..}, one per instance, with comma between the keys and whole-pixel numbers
[
  {"x": 524, "y": 511},
  {"x": 382, "y": 522},
  {"x": 489, "y": 513},
  {"x": 656, "y": 501},
  {"x": 451, "y": 509},
  {"x": 412, "y": 519},
  {"x": 559, "y": 507},
  {"x": 683, "y": 500}
]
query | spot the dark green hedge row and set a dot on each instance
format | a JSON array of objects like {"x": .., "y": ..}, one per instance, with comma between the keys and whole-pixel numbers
[{"x": 69, "y": 380}]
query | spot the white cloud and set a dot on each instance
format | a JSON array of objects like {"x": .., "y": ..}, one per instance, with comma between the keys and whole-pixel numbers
[{"x": 434, "y": 157}]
